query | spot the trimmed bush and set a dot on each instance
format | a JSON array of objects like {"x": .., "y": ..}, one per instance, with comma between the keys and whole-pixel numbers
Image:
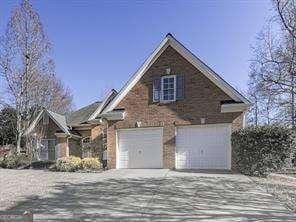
[
  {"x": 40, "y": 164},
  {"x": 15, "y": 160},
  {"x": 259, "y": 150},
  {"x": 91, "y": 164},
  {"x": 68, "y": 164},
  {"x": 2, "y": 162}
]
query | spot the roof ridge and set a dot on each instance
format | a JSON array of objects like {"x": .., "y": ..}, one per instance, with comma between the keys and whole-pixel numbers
[
  {"x": 82, "y": 114},
  {"x": 48, "y": 110}
]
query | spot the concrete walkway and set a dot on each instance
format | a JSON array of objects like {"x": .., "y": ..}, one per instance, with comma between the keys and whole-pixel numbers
[{"x": 149, "y": 195}]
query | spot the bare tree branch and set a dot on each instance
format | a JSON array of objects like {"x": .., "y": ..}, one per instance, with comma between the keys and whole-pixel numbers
[{"x": 27, "y": 68}]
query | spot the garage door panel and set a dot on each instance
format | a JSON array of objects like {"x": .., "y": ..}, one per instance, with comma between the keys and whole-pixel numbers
[
  {"x": 203, "y": 147},
  {"x": 143, "y": 147},
  {"x": 123, "y": 159}
]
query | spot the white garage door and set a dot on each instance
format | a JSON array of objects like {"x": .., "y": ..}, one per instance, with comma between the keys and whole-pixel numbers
[
  {"x": 139, "y": 148},
  {"x": 203, "y": 147}
]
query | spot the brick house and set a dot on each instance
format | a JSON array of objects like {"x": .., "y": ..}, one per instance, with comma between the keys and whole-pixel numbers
[
  {"x": 174, "y": 112},
  {"x": 54, "y": 135}
]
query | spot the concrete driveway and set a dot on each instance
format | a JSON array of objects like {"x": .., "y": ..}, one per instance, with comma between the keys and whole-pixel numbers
[{"x": 153, "y": 195}]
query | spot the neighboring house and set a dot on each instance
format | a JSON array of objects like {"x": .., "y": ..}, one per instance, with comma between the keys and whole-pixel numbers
[
  {"x": 53, "y": 135},
  {"x": 174, "y": 112}
]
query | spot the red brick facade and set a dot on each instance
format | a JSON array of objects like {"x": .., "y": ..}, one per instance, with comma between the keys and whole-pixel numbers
[
  {"x": 202, "y": 100},
  {"x": 63, "y": 146},
  {"x": 48, "y": 132},
  {"x": 67, "y": 145}
]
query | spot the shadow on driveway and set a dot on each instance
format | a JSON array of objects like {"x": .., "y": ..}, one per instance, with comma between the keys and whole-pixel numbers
[{"x": 173, "y": 198}]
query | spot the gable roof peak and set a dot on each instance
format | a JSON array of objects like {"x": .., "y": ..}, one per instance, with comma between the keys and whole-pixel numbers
[
  {"x": 59, "y": 119},
  {"x": 169, "y": 35},
  {"x": 170, "y": 40}
]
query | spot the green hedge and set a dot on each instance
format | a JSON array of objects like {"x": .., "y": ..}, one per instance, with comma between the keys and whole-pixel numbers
[
  {"x": 259, "y": 150},
  {"x": 41, "y": 164}
]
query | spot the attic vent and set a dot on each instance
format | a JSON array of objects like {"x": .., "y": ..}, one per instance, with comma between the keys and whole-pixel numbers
[
  {"x": 168, "y": 70},
  {"x": 45, "y": 119}
]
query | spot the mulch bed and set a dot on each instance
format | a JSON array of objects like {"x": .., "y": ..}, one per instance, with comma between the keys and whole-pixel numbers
[{"x": 283, "y": 186}]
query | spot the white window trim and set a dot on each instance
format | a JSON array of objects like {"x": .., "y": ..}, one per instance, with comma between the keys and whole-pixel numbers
[
  {"x": 40, "y": 144},
  {"x": 161, "y": 90},
  {"x": 47, "y": 143}
]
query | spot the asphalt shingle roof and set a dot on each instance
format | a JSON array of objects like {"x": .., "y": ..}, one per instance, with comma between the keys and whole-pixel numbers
[
  {"x": 82, "y": 115},
  {"x": 60, "y": 119}
]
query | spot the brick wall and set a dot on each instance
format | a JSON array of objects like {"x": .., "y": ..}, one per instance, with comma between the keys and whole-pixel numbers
[
  {"x": 202, "y": 100},
  {"x": 46, "y": 131},
  {"x": 74, "y": 147},
  {"x": 111, "y": 144},
  {"x": 43, "y": 132},
  {"x": 238, "y": 122},
  {"x": 99, "y": 139},
  {"x": 63, "y": 146}
]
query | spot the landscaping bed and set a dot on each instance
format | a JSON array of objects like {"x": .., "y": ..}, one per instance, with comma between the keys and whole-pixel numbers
[
  {"x": 291, "y": 172},
  {"x": 282, "y": 186},
  {"x": 64, "y": 164}
]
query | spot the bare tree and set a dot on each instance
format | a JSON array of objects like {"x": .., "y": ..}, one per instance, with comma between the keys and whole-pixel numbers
[
  {"x": 273, "y": 67},
  {"x": 263, "y": 102},
  {"x": 27, "y": 68},
  {"x": 253, "y": 114},
  {"x": 286, "y": 10}
]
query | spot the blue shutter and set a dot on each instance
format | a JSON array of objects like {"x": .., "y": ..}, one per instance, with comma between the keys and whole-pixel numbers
[
  {"x": 156, "y": 89},
  {"x": 180, "y": 87}
]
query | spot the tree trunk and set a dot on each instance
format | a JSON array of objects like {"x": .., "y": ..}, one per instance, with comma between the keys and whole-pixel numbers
[
  {"x": 293, "y": 87},
  {"x": 19, "y": 133},
  {"x": 256, "y": 113},
  {"x": 292, "y": 103}
]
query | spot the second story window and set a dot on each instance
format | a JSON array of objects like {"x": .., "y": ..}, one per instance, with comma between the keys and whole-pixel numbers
[{"x": 168, "y": 88}]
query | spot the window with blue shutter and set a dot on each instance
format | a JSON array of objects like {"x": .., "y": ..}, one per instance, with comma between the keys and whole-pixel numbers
[
  {"x": 156, "y": 89},
  {"x": 180, "y": 87},
  {"x": 168, "y": 88}
]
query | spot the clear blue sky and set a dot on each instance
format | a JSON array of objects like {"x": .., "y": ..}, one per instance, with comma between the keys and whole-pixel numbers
[{"x": 98, "y": 45}]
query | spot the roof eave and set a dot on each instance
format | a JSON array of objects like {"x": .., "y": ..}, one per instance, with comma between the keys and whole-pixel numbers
[
  {"x": 114, "y": 115},
  {"x": 234, "y": 107},
  {"x": 110, "y": 96},
  {"x": 57, "y": 122}
]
